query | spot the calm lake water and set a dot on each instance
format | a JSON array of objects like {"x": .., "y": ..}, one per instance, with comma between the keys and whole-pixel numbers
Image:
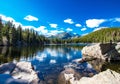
[{"x": 50, "y": 60}]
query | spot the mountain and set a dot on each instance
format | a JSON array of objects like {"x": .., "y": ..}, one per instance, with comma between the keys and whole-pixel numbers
[
  {"x": 65, "y": 35},
  {"x": 103, "y": 35}
]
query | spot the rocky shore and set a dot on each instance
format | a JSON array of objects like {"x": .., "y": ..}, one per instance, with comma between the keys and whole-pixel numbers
[
  {"x": 18, "y": 73},
  {"x": 96, "y": 55},
  {"x": 86, "y": 70},
  {"x": 105, "y": 77}
]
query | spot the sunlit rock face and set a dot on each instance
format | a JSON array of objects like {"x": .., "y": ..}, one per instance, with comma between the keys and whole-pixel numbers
[
  {"x": 102, "y": 51},
  {"x": 21, "y": 73},
  {"x": 106, "y": 77}
]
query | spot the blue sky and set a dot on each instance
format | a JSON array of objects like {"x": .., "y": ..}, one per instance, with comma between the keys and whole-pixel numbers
[{"x": 50, "y": 17}]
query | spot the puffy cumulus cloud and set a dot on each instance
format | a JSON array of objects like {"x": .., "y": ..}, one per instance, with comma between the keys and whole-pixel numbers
[
  {"x": 6, "y": 19},
  {"x": 31, "y": 18},
  {"x": 54, "y": 32},
  {"x": 83, "y": 29},
  {"x": 78, "y": 25},
  {"x": 53, "y": 25},
  {"x": 69, "y": 21},
  {"x": 41, "y": 30},
  {"x": 92, "y": 23},
  {"x": 69, "y": 29}
]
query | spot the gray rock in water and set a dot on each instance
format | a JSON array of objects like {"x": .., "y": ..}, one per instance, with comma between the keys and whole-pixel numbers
[
  {"x": 19, "y": 73},
  {"x": 24, "y": 71},
  {"x": 67, "y": 75}
]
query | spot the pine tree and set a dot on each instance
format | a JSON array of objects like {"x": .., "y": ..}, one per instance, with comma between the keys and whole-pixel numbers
[
  {"x": 1, "y": 26},
  {"x": 13, "y": 36},
  {"x": 19, "y": 31}
]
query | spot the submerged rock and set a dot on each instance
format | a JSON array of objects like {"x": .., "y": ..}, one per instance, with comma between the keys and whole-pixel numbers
[{"x": 67, "y": 75}]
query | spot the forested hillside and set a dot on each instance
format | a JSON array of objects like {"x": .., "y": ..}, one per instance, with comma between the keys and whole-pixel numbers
[
  {"x": 103, "y": 35},
  {"x": 10, "y": 35}
]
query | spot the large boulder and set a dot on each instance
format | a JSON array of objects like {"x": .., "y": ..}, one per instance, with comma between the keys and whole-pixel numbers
[
  {"x": 22, "y": 72},
  {"x": 106, "y": 77},
  {"x": 102, "y": 51}
]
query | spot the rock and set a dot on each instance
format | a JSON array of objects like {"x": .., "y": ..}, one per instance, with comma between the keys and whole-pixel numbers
[
  {"x": 106, "y": 77},
  {"x": 24, "y": 71},
  {"x": 67, "y": 75},
  {"x": 7, "y": 68},
  {"x": 84, "y": 59},
  {"x": 19, "y": 73},
  {"x": 102, "y": 51},
  {"x": 97, "y": 64}
]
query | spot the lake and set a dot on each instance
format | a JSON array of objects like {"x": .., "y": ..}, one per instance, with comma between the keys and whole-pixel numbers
[{"x": 50, "y": 60}]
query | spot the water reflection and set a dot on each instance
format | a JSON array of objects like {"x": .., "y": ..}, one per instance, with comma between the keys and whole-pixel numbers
[
  {"x": 10, "y": 54},
  {"x": 49, "y": 61}
]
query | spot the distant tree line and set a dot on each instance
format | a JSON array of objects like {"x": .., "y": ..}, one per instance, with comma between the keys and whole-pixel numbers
[{"x": 11, "y": 35}]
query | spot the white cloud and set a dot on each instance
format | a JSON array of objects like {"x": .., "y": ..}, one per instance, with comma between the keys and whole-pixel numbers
[
  {"x": 53, "y": 25},
  {"x": 69, "y": 21},
  {"x": 117, "y": 19},
  {"x": 54, "y": 32},
  {"x": 5, "y": 18},
  {"x": 92, "y": 23},
  {"x": 42, "y": 30},
  {"x": 83, "y": 29},
  {"x": 69, "y": 29},
  {"x": 84, "y": 34},
  {"x": 28, "y": 27},
  {"x": 31, "y": 18},
  {"x": 78, "y": 25}
]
